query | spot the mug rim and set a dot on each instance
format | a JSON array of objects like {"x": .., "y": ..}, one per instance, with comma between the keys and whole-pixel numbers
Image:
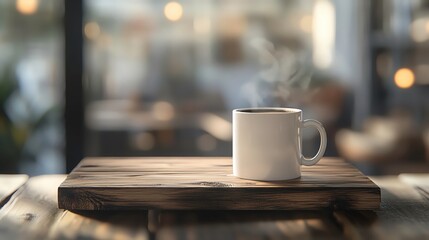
[{"x": 283, "y": 110}]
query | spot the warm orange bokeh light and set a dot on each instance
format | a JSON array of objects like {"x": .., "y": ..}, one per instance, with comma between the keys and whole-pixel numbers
[
  {"x": 404, "y": 78},
  {"x": 27, "y": 7},
  {"x": 92, "y": 30},
  {"x": 173, "y": 11},
  {"x": 163, "y": 111}
]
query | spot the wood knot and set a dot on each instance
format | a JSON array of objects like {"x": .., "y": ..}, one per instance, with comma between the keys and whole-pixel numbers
[
  {"x": 214, "y": 184},
  {"x": 29, "y": 216}
]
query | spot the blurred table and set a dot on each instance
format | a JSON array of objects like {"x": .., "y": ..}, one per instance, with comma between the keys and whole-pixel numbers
[
  {"x": 32, "y": 213},
  {"x": 124, "y": 128}
]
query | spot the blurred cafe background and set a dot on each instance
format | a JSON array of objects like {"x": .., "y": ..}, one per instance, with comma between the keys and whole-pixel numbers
[{"x": 160, "y": 78}]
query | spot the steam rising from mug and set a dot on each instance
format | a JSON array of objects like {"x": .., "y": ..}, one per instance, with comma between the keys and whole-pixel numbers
[{"x": 283, "y": 73}]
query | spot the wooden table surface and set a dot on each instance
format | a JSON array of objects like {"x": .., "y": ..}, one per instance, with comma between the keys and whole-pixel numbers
[
  {"x": 9, "y": 184},
  {"x": 32, "y": 213}
]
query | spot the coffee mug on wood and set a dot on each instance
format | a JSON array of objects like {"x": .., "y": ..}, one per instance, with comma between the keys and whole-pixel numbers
[{"x": 267, "y": 143}]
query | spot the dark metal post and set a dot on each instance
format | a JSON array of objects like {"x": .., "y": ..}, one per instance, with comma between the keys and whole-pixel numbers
[{"x": 74, "y": 118}]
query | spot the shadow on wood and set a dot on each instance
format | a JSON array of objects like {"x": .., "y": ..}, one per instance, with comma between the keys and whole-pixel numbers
[{"x": 243, "y": 224}]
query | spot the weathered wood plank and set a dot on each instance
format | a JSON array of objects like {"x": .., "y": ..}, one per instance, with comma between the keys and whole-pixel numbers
[
  {"x": 32, "y": 213},
  {"x": 207, "y": 183},
  {"x": 9, "y": 183},
  {"x": 404, "y": 214}
]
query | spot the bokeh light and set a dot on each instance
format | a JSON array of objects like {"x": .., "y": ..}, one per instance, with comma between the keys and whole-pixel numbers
[
  {"x": 202, "y": 25},
  {"x": 163, "y": 111},
  {"x": 323, "y": 29},
  {"x": 92, "y": 30},
  {"x": 419, "y": 30},
  {"x": 404, "y": 78},
  {"x": 144, "y": 141},
  {"x": 173, "y": 11},
  {"x": 27, "y": 7}
]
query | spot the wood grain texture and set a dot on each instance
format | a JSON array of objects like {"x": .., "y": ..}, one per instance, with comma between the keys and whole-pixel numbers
[
  {"x": 207, "y": 183},
  {"x": 32, "y": 213},
  {"x": 9, "y": 183},
  {"x": 404, "y": 214}
]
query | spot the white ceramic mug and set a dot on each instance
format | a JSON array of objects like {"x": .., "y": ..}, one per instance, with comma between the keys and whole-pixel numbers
[{"x": 267, "y": 143}]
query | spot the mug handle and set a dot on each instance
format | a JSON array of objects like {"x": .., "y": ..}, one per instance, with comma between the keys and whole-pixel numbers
[{"x": 313, "y": 123}]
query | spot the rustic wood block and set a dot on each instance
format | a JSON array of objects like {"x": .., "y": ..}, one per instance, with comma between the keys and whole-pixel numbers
[{"x": 208, "y": 183}]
